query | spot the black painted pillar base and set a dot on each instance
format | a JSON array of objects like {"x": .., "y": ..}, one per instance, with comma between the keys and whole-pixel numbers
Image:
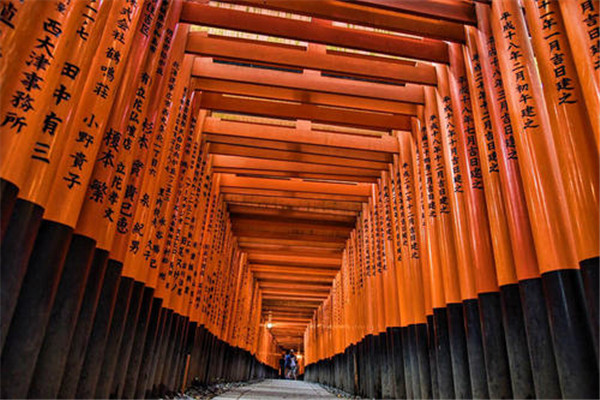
[
  {"x": 66, "y": 385},
  {"x": 155, "y": 330},
  {"x": 572, "y": 336},
  {"x": 149, "y": 316},
  {"x": 32, "y": 312},
  {"x": 387, "y": 369},
  {"x": 442, "y": 351},
  {"x": 541, "y": 350},
  {"x": 458, "y": 351},
  {"x": 407, "y": 355},
  {"x": 422, "y": 348},
  {"x": 140, "y": 297},
  {"x": 63, "y": 319},
  {"x": 432, "y": 357},
  {"x": 494, "y": 346},
  {"x": 591, "y": 284},
  {"x": 397, "y": 356},
  {"x": 477, "y": 371},
  {"x": 517, "y": 347},
  {"x": 8, "y": 198},
  {"x": 94, "y": 355},
  {"x": 21, "y": 230},
  {"x": 111, "y": 350}
]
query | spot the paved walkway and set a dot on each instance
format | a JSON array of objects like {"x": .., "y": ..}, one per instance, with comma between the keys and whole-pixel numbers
[{"x": 278, "y": 389}]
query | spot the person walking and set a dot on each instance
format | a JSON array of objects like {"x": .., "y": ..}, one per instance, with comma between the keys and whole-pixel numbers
[
  {"x": 292, "y": 365},
  {"x": 282, "y": 366}
]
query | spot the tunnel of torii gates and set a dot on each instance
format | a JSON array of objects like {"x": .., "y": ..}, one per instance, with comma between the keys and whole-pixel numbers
[{"x": 405, "y": 193}]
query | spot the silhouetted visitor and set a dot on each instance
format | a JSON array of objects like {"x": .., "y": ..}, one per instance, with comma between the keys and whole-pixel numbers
[{"x": 282, "y": 366}]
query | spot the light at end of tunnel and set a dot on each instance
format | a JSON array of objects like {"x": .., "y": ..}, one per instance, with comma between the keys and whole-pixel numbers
[{"x": 269, "y": 325}]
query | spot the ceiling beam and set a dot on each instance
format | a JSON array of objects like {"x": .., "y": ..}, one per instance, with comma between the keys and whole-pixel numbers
[
  {"x": 316, "y": 113},
  {"x": 385, "y": 144},
  {"x": 448, "y": 10},
  {"x": 290, "y": 202},
  {"x": 290, "y": 235},
  {"x": 308, "y": 286},
  {"x": 308, "y": 80},
  {"x": 300, "y": 261},
  {"x": 290, "y": 242},
  {"x": 426, "y": 49},
  {"x": 303, "y": 96},
  {"x": 292, "y": 195},
  {"x": 311, "y": 58},
  {"x": 281, "y": 155},
  {"x": 288, "y": 212},
  {"x": 296, "y": 185},
  {"x": 245, "y": 164},
  {"x": 297, "y": 222},
  {"x": 349, "y": 153},
  {"x": 329, "y": 272},
  {"x": 269, "y": 173},
  {"x": 363, "y": 15}
]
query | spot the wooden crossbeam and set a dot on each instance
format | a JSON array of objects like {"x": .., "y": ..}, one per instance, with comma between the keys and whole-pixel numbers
[
  {"x": 292, "y": 195},
  {"x": 242, "y": 240},
  {"x": 270, "y": 173},
  {"x": 309, "y": 286},
  {"x": 363, "y": 15},
  {"x": 448, "y": 10},
  {"x": 245, "y": 164},
  {"x": 290, "y": 233},
  {"x": 296, "y": 185},
  {"x": 291, "y": 202},
  {"x": 290, "y": 212},
  {"x": 385, "y": 144},
  {"x": 308, "y": 80},
  {"x": 294, "y": 270},
  {"x": 297, "y": 222},
  {"x": 288, "y": 146},
  {"x": 426, "y": 49},
  {"x": 301, "y": 261},
  {"x": 254, "y": 106},
  {"x": 260, "y": 52},
  {"x": 282, "y": 155},
  {"x": 303, "y": 96}
]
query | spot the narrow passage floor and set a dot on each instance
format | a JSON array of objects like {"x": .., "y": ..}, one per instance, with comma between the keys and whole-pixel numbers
[{"x": 278, "y": 389}]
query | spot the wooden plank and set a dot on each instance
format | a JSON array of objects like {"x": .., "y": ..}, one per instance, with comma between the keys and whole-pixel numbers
[
  {"x": 367, "y": 16},
  {"x": 279, "y": 259},
  {"x": 296, "y": 185},
  {"x": 311, "y": 112},
  {"x": 303, "y": 96},
  {"x": 290, "y": 235},
  {"x": 284, "y": 212},
  {"x": 242, "y": 164},
  {"x": 287, "y": 278},
  {"x": 308, "y": 80},
  {"x": 299, "y": 222},
  {"x": 293, "y": 195},
  {"x": 426, "y": 49},
  {"x": 385, "y": 144},
  {"x": 289, "y": 242},
  {"x": 335, "y": 205},
  {"x": 352, "y": 154},
  {"x": 311, "y": 58},
  {"x": 454, "y": 10},
  {"x": 265, "y": 173},
  {"x": 293, "y": 270},
  {"x": 270, "y": 154}
]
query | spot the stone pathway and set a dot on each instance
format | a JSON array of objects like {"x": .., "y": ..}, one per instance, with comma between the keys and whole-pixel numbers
[{"x": 278, "y": 389}]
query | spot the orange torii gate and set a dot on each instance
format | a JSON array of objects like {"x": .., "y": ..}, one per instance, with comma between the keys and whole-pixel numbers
[{"x": 405, "y": 193}]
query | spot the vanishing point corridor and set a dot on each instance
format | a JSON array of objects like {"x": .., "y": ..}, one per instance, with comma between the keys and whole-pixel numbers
[{"x": 381, "y": 198}]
